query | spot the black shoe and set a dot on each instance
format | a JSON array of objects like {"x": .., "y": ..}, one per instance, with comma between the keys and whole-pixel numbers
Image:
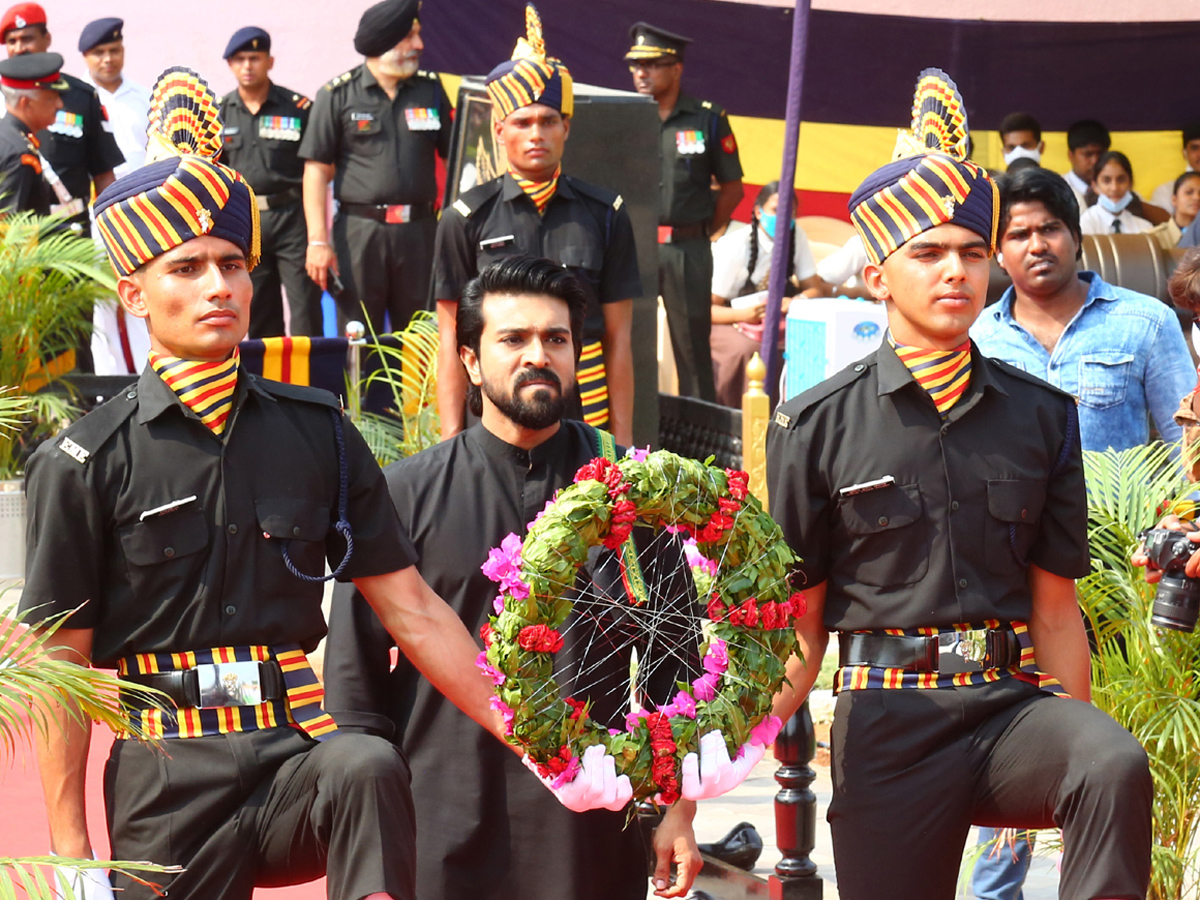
[{"x": 740, "y": 848}]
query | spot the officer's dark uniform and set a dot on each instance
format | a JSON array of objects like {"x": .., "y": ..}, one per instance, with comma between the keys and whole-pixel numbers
[
  {"x": 22, "y": 186},
  {"x": 80, "y": 145},
  {"x": 973, "y": 503},
  {"x": 697, "y": 146},
  {"x": 385, "y": 187},
  {"x": 202, "y": 575},
  {"x": 584, "y": 227},
  {"x": 264, "y": 147}
]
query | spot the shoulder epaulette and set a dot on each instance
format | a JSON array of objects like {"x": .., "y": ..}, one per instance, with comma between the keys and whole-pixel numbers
[
  {"x": 339, "y": 80},
  {"x": 596, "y": 192},
  {"x": 299, "y": 392},
  {"x": 301, "y": 101},
  {"x": 469, "y": 202},
  {"x": 788, "y": 414},
  {"x": 1009, "y": 369},
  {"x": 707, "y": 104},
  {"x": 422, "y": 73},
  {"x": 94, "y": 430}
]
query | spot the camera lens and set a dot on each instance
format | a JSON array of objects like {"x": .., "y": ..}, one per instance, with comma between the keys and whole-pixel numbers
[{"x": 1176, "y": 604}]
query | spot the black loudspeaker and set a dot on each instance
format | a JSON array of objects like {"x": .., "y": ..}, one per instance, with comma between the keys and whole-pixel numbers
[{"x": 614, "y": 143}]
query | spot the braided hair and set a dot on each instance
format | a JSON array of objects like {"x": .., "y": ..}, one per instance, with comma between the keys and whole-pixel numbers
[{"x": 769, "y": 190}]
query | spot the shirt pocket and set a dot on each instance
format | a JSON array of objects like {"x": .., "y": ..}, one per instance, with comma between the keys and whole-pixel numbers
[
  {"x": 1104, "y": 378},
  {"x": 1014, "y": 508},
  {"x": 888, "y": 535},
  {"x": 299, "y": 522},
  {"x": 584, "y": 258},
  {"x": 366, "y": 136},
  {"x": 162, "y": 539}
]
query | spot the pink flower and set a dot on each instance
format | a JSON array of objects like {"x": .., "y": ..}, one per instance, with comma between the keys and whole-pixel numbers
[
  {"x": 696, "y": 559},
  {"x": 545, "y": 509},
  {"x": 631, "y": 720},
  {"x": 613, "y": 732},
  {"x": 716, "y": 660},
  {"x": 764, "y": 732},
  {"x": 503, "y": 566},
  {"x": 498, "y": 604},
  {"x": 498, "y": 677},
  {"x": 638, "y": 454},
  {"x": 705, "y": 687},
  {"x": 505, "y": 711},
  {"x": 684, "y": 704}
]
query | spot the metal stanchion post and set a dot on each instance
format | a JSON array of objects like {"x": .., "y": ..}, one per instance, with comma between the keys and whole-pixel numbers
[{"x": 356, "y": 335}]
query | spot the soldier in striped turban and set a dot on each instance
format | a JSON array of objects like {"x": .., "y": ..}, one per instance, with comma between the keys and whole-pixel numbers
[
  {"x": 182, "y": 530},
  {"x": 937, "y": 498}
]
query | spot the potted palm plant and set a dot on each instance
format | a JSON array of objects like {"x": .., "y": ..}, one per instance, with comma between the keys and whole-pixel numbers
[{"x": 49, "y": 280}]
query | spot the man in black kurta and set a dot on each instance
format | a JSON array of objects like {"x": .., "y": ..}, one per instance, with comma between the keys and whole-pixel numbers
[{"x": 487, "y": 830}]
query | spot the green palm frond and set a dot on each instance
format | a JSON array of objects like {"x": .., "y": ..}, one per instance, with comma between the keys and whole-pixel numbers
[
  {"x": 409, "y": 373},
  {"x": 30, "y": 682},
  {"x": 32, "y": 877},
  {"x": 1146, "y": 678},
  {"x": 14, "y": 408}
]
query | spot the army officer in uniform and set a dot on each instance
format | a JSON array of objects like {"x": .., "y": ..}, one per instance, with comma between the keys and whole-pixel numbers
[
  {"x": 264, "y": 124},
  {"x": 32, "y": 87},
  {"x": 375, "y": 132}
]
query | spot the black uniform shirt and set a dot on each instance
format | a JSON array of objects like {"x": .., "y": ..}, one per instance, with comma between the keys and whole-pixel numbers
[
  {"x": 697, "y": 145},
  {"x": 488, "y": 830},
  {"x": 973, "y": 498},
  {"x": 22, "y": 187},
  {"x": 584, "y": 227},
  {"x": 264, "y": 146},
  {"x": 383, "y": 149},
  {"x": 80, "y": 143},
  {"x": 201, "y": 574}
]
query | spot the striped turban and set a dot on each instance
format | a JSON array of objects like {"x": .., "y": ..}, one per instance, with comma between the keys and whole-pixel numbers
[{"x": 530, "y": 76}]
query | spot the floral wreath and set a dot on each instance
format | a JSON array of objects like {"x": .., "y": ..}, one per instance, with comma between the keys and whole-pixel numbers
[{"x": 747, "y": 600}]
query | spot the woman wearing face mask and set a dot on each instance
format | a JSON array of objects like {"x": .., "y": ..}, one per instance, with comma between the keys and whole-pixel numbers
[
  {"x": 741, "y": 269},
  {"x": 1113, "y": 184},
  {"x": 1185, "y": 198}
]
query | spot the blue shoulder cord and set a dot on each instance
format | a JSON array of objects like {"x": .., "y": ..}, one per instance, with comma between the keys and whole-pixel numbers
[
  {"x": 342, "y": 526},
  {"x": 1059, "y": 464}
]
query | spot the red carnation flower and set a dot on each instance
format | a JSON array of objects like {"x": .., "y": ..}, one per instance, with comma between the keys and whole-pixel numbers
[
  {"x": 539, "y": 638},
  {"x": 578, "y": 708},
  {"x": 749, "y": 611},
  {"x": 623, "y": 516},
  {"x": 606, "y": 472},
  {"x": 799, "y": 604},
  {"x": 769, "y": 613},
  {"x": 716, "y": 609},
  {"x": 727, "y": 506},
  {"x": 739, "y": 483},
  {"x": 485, "y": 633}
]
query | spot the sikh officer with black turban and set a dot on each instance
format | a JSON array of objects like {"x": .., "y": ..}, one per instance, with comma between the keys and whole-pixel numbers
[
  {"x": 374, "y": 132},
  {"x": 944, "y": 551}
]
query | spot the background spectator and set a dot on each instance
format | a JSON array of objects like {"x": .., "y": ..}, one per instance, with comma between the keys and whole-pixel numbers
[
  {"x": 1087, "y": 139},
  {"x": 1191, "y": 154},
  {"x": 1185, "y": 201},
  {"x": 1021, "y": 135},
  {"x": 1113, "y": 186}
]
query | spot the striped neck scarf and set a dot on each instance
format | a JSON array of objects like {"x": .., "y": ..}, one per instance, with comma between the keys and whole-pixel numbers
[
  {"x": 945, "y": 374},
  {"x": 539, "y": 192},
  {"x": 206, "y": 388}
]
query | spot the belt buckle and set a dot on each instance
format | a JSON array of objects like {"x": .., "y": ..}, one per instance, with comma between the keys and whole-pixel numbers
[
  {"x": 971, "y": 645},
  {"x": 398, "y": 214},
  {"x": 664, "y": 234},
  {"x": 229, "y": 684}
]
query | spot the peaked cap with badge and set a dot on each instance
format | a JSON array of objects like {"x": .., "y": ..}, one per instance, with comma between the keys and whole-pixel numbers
[
  {"x": 652, "y": 42},
  {"x": 384, "y": 25},
  {"x": 30, "y": 71},
  {"x": 930, "y": 181},
  {"x": 101, "y": 31},
  {"x": 530, "y": 76},
  {"x": 22, "y": 15},
  {"x": 183, "y": 192},
  {"x": 249, "y": 38}
]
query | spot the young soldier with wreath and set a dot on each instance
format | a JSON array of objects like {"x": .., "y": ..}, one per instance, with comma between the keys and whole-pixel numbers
[
  {"x": 937, "y": 498},
  {"x": 184, "y": 526}
]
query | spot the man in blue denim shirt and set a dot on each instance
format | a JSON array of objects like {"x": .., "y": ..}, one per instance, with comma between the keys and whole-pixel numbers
[{"x": 1121, "y": 353}]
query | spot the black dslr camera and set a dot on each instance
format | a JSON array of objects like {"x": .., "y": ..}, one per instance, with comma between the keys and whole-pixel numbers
[{"x": 1177, "y": 601}]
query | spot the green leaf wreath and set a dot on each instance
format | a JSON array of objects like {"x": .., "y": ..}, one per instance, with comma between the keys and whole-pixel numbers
[{"x": 749, "y": 605}]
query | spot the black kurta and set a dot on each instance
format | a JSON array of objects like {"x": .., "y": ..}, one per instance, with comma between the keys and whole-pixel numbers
[{"x": 487, "y": 828}]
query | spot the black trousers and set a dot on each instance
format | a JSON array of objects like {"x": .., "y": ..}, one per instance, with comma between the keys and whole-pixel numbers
[
  {"x": 265, "y": 808},
  {"x": 284, "y": 248},
  {"x": 685, "y": 272},
  {"x": 913, "y": 769},
  {"x": 384, "y": 267}
]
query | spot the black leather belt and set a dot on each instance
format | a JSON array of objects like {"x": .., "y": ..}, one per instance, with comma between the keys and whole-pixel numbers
[
  {"x": 986, "y": 648},
  {"x": 396, "y": 213},
  {"x": 183, "y": 685},
  {"x": 280, "y": 198}
]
